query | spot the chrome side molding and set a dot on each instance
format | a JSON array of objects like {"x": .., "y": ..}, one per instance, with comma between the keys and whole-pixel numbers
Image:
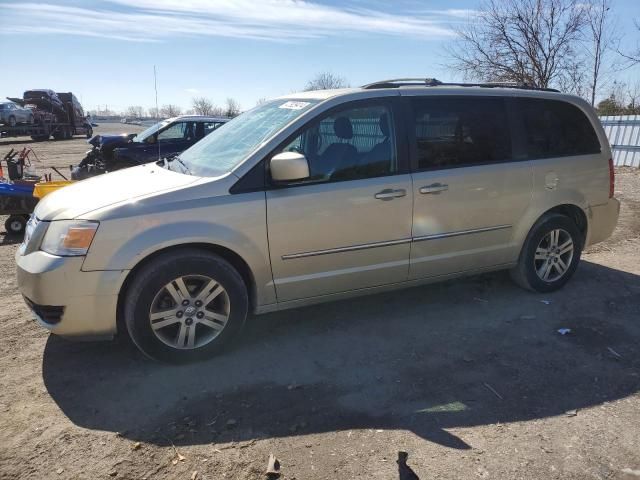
[
  {"x": 351, "y": 248},
  {"x": 400, "y": 241},
  {"x": 459, "y": 233}
]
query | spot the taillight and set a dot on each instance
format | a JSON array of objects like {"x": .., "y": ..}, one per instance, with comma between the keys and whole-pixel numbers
[{"x": 612, "y": 179}]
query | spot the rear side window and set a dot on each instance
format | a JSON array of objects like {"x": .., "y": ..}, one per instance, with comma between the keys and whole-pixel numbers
[
  {"x": 460, "y": 131},
  {"x": 552, "y": 128},
  {"x": 211, "y": 126}
]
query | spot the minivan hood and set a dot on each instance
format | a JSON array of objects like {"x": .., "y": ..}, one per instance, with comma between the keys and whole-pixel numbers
[{"x": 102, "y": 191}]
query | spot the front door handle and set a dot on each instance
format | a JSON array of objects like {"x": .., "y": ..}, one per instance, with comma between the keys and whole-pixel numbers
[
  {"x": 434, "y": 188},
  {"x": 390, "y": 194}
]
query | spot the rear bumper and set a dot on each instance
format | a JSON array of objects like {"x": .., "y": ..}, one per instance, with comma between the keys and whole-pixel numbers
[
  {"x": 66, "y": 300},
  {"x": 602, "y": 221}
]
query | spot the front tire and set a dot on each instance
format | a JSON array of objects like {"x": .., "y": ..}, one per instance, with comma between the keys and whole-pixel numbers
[
  {"x": 185, "y": 305},
  {"x": 550, "y": 254},
  {"x": 15, "y": 224}
]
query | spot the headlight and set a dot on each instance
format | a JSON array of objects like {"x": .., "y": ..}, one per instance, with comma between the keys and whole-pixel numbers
[{"x": 69, "y": 238}]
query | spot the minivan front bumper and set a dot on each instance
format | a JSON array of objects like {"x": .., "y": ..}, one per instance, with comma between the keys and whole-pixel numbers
[{"x": 66, "y": 300}]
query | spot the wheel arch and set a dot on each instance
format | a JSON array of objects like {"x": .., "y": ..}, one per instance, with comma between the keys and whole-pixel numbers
[
  {"x": 236, "y": 261},
  {"x": 568, "y": 209},
  {"x": 576, "y": 214}
]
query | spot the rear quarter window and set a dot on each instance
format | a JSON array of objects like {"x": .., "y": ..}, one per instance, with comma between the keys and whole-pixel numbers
[{"x": 553, "y": 128}]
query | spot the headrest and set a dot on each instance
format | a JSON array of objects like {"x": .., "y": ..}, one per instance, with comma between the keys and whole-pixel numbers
[
  {"x": 343, "y": 128},
  {"x": 384, "y": 124}
]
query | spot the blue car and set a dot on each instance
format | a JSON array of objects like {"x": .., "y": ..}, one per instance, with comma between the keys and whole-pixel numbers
[{"x": 164, "y": 139}]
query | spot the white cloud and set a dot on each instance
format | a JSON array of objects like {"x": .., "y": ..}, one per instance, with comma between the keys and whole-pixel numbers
[{"x": 274, "y": 20}]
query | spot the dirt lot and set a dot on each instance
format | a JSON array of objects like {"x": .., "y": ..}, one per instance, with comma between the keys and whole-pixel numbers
[{"x": 470, "y": 377}]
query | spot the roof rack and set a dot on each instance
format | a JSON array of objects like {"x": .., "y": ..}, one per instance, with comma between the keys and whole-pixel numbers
[{"x": 433, "y": 82}]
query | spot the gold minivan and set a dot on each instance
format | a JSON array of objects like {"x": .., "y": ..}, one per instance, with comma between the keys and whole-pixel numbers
[{"x": 318, "y": 196}]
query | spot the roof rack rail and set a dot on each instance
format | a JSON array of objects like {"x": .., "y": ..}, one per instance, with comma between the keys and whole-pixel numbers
[{"x": 432, "y": 82}]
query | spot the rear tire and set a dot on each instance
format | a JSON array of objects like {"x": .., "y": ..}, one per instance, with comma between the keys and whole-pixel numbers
[
  {"x": 550, "y": 254},
  {"x": 185, "y": 305}
]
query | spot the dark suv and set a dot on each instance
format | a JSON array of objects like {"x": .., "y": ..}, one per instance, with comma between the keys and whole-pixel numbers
[{"x": 164, "y": 139}]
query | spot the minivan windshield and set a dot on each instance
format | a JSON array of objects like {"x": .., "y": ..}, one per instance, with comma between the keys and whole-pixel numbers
[
  {"x": 150, "y": 131},
  {"x": 226, "y": 147}
]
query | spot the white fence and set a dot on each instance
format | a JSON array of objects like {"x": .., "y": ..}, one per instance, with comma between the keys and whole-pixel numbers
[{"x": 623, "y": 132}]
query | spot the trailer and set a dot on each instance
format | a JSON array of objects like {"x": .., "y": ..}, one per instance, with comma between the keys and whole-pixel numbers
[
  {"x": 61, "y": 123},
  {"x": 44, "y": 131}
]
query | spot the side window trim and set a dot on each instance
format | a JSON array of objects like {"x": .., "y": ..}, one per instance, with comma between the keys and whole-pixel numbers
[
  {"x": 519, "y": 108},
  {"x": 516, "y": 127},
  {"x": 410, "y": 132},
  {"x": 413, "y": 141},
  {"x": 253, "y": 181}
]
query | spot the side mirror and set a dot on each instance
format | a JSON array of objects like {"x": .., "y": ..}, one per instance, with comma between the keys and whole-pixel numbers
[{"x": 289, "y": 166}]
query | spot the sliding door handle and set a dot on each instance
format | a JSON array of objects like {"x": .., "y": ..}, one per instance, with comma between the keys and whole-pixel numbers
[
  {"x": 434, "y": 188},
  {"x": 390, "y": 194}
]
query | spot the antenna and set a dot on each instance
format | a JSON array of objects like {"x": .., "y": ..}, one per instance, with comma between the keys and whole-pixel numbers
[{"x": 155, "y": 86}]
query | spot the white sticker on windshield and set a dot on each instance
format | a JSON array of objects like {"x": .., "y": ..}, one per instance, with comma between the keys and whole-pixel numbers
[{"x": 294, "y": 105}]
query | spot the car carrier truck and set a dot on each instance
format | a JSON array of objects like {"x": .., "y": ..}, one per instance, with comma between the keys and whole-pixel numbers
[{"x": 57, "y": 115}]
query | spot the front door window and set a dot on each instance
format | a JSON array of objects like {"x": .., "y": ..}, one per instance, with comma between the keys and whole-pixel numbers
[
  {"x": 349, "y": 145},
  {"x": 177, "y": 132}
]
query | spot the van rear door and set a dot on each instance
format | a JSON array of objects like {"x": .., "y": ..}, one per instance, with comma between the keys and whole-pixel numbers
[{"x": 469, "y": 191}]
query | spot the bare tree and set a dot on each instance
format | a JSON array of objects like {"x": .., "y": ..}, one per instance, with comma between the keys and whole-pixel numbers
[
  {"x": 170, "y": 110},
  {"x": 600, "y": 41},
  {"x": 614, "y": 104},
  {"x": 524, "y": 41},
  {"x": 574, "y": 79},
  {"x": 634, "y": 56},
  {"x": 609, "y": 106},
  {"x": 232, "y": 108},
  {"x": 261, "y": 101},
  {"x": 633, "y": 98},
  {"x": 153, "y": 112},
  {"x": 326, "y": 81},
  {"x": 134, "y": 112},
  {"x": 203, "y": 106}
]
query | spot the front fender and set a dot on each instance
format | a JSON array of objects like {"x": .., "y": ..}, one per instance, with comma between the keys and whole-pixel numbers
[
  {"x": 159, "y": 237},
  {"x": 237, "y": 224}
]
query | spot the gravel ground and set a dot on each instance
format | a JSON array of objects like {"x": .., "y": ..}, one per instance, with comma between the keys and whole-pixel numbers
[{"x": 470, "y": 377}]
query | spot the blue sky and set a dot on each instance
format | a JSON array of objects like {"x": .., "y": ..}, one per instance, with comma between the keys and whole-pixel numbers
[{"x": 104, "y": 51}]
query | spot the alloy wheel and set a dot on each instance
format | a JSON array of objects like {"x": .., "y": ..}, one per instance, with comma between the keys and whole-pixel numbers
[
  {"x": 189, "y": 312},
  {"x": 554, "y": 255}
]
